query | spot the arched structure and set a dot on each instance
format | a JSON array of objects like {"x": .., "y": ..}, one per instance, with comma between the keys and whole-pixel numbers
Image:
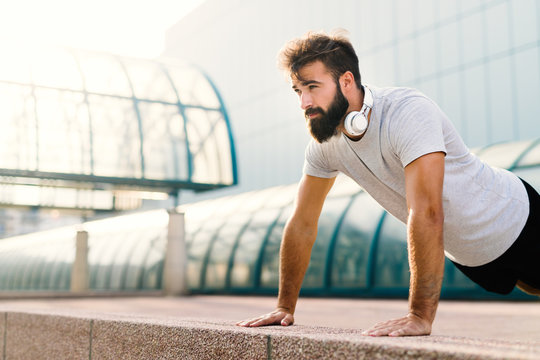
[
  {"x": 233, "y": 245},
  {"x": 93, "y": 121}
]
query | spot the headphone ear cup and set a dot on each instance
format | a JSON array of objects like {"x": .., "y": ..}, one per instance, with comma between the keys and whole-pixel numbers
[{"x": 355, "y": 123}]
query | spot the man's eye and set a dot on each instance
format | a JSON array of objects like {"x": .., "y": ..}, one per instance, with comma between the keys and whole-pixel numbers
[{"x": 311, "y": 87}]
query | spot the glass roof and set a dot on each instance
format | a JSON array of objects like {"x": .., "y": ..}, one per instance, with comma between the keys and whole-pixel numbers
[{"x": 100, "y": 121}]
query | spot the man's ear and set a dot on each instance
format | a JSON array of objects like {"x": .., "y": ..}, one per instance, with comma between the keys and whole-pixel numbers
[{"x": 346, "y": 81}]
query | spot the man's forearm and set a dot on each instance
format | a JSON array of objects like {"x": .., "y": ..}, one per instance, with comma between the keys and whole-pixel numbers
[
  {"x": 295, "y": 254},
  {"x": 426, "y": 260}
]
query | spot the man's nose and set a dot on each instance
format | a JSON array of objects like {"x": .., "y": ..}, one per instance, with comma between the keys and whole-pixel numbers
[{"x": 305, "y": 101}]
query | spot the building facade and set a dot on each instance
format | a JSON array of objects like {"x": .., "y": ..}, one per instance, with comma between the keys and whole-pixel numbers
[{"x": 478, "y": 59}]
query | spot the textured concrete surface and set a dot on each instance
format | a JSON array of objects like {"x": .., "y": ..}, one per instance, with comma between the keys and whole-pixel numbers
[
  {"x": 31, "y": 336},
  {"x": 183, "y": 340},
  {"x": 202, "y": 327},
  {"x": 3, "y": 316}
]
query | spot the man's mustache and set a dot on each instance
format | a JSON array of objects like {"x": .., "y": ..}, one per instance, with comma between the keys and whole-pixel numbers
[{"x": 313, "y": 111}]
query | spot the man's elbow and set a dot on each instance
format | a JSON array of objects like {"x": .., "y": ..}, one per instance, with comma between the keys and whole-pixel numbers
[{"x": 433, "y": 215}]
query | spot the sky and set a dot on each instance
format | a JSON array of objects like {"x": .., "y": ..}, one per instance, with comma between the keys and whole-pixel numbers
[{"x": 133, "y": 28}]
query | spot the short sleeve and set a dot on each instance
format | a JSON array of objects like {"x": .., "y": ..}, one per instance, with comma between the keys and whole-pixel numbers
[
  {"x": 315, "y": 163},
  {"x": 417, "y": 129}
]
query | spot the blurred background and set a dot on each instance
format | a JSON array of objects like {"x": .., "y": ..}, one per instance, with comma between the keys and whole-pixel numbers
[{"x": 124, "y": 108}]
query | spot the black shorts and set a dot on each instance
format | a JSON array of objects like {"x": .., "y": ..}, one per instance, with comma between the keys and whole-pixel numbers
[{"x": 520, "y": 262}]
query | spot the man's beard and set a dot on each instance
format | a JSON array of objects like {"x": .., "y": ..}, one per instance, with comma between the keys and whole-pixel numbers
[{"x": 325, "y": 125}]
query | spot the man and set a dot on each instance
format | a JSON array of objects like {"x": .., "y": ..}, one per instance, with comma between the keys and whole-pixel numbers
[{"x": 407, "y": 155}]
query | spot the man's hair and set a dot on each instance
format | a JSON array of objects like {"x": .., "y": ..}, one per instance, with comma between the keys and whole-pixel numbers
[{"x": 334, "y": 50}]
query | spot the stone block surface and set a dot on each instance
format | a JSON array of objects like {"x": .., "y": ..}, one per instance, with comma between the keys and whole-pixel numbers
[
  {"x": 2, "y": 333},
  {"x": 39, "y": 336},
  {"x": 330, "y": 343},
  {"x": 181, "y": 340}
]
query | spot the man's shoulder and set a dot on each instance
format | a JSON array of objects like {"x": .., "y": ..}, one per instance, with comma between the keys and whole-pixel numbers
[{"x": 396, "y": 94}]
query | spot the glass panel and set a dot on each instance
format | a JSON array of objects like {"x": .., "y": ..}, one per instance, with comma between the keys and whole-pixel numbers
[
  {"x": 149, "y": 81},
  {"x": 498, "y": 39},
  {"x": 134, "y": 267},
  {"x": 331, "y": 213},
  {"x": 164, "y": 142},
  {"x": 218, "y": 262},
  {"x": 450, "y": 50},
  {"x": 120, "y": 250},
  {"x": 527, "y": 88},
  {"x": 475, "y": 106},
  {"x": 405, "y": 18},
  {"x": 197, "y": 215},
  {"x": 16, "y": 66},
  {"x": 193, "y": 88},
  {"x": 406, "y": 61},
  {"x": 54, "y": 257},
  {"x": 64, "y": 142},
  {"x": 249, "y": 246},
  {"x": 153, "y": 267},
  {"x": 18, "y": 140},
  {"x": 427, "y": 54},
  {"x": 425, "y": 13},
  {"x": 55, "y": 67},
  {"x": 270, "y": 260},
  {"x": 384, "y": 71},
  {"x": 351, "y": 255},
  {"x": 199, "y": 244},
  {"x": 532, "y": 157},
  {"x": 97, "y": 247},
  {"x": 455, "y": 279},
  {"x": 111, "y": 245},
  {"x": 471, "y": 5},
  {"x": 384, "y": 31},
  {"x": 103, "y": 74},
  {"x": 116, "y": 140},
  {"x": 451, "y": 102},
  {"x": 530, "y": 175},
  {"x": 524, "y": 20},
  {"x": 472, "y": 32},
  {"x": 221, "y": 134},
  {"x": 392, "y": 266},
  {"x": 447, "y": 9},
  {"x": 202, "y": 143},
  {"x": 504, "y": 155},
  {"x": 500, "y": 93}
]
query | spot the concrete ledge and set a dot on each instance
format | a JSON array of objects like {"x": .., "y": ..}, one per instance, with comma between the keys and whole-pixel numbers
[{"x": 86, "y": 335}]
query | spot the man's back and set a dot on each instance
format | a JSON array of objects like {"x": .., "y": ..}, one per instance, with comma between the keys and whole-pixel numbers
[{"x": 485, "y": 208}]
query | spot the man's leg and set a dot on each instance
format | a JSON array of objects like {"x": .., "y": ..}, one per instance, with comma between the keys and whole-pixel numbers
[
  {"x": 527, "y": 288},
  {"x": 529, "y": 277}
]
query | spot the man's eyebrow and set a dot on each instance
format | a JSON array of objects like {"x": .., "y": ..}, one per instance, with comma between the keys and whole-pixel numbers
[{"x": 307, "y": 82}]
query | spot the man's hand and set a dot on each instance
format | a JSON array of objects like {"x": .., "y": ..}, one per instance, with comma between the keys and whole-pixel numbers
[
  {"x": 410, "y": 325},
  {"x": 276, "y": 317}
]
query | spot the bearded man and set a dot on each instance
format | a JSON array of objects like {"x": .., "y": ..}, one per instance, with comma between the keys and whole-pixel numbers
[{"x": 401, "y": 148}]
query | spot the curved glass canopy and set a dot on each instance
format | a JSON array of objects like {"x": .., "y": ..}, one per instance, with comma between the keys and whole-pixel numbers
[
  {"x": 233, "y": 245},
  {"x": 85, "y": 120}
]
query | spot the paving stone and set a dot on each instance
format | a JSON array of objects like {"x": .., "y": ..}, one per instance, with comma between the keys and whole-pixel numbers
[
  {"x": 137, "y": 340},
  {"x": 38, "y": 336}
]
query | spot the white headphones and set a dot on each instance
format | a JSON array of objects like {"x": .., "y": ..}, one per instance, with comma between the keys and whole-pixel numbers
[{"x": 356, "y": 122}]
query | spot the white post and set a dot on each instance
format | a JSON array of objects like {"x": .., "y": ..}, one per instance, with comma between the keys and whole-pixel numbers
[
  {"x": 174, "y": 267},
  {"x": 79, "y": 271}
]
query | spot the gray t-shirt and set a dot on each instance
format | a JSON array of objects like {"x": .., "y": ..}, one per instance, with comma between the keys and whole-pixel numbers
[{"x": 485, "y": 208}]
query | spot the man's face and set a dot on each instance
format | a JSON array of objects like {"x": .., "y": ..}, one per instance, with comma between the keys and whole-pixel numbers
[{"x": 321, "y": 99}]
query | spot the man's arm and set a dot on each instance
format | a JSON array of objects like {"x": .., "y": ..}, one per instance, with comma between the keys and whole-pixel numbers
[
  {"x": 298, "y": 238},
  {"x": 424, "y": 185}
]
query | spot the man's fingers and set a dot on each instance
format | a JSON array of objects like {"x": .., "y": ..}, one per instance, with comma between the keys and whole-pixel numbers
[
  {"x": 273, "y": 318},
  {"x": 287, "y": 320},
  {"x": 407, "y": 326}
]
